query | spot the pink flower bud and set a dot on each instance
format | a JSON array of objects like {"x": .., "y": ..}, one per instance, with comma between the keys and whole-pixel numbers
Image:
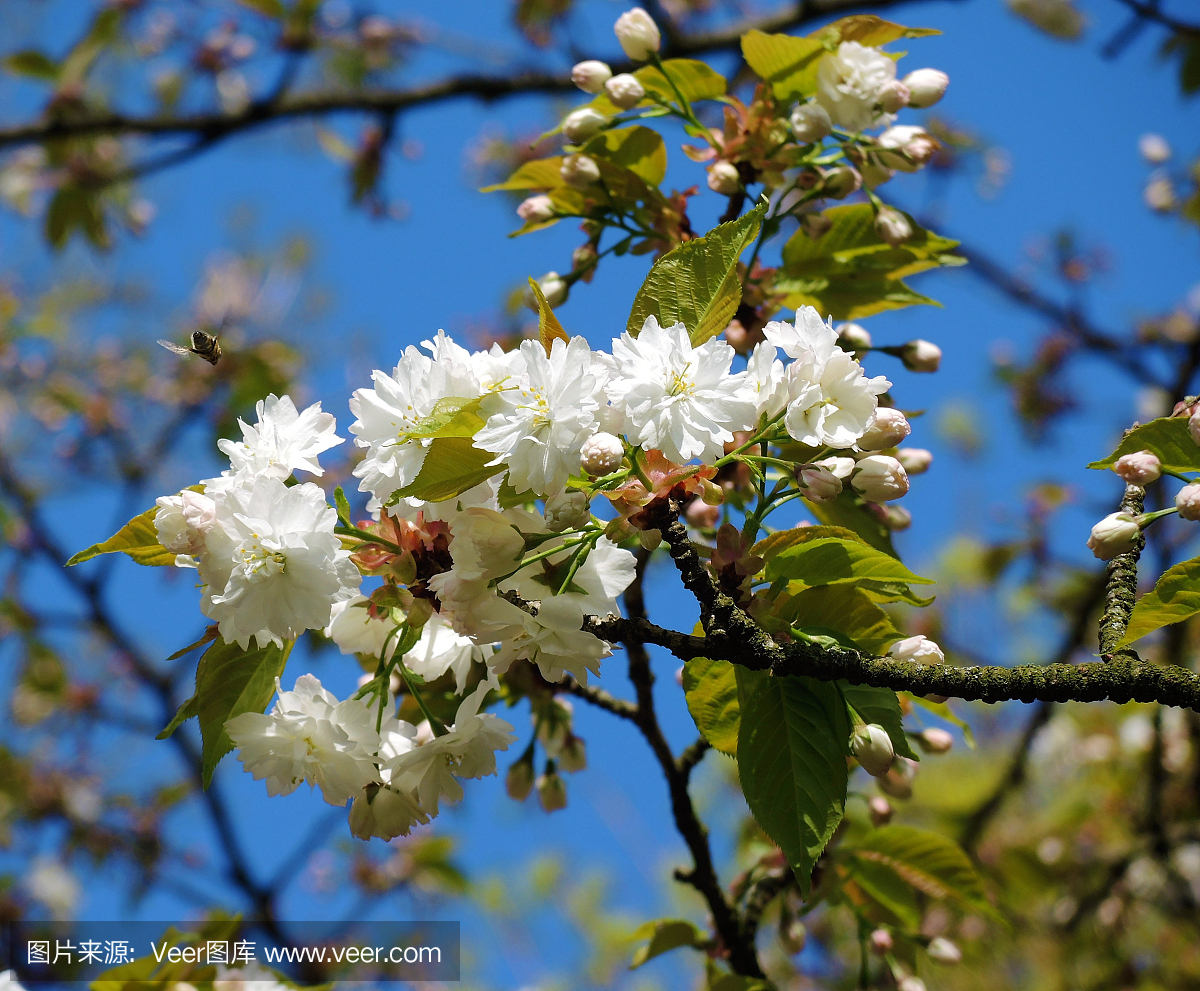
[
  {"x": 638, "y": 34},
  {"x": 880, "y": 810},
  {"x": 881, "y": 941},
  {"x": 1139, "y": 468},
  {"x": 893, "y": 226},
  {"x": 701, "y": 515},
  {"x": 1113, "y": 535},
  {"x": 1194, "y": 426},
  {"x": 602, "y": 454},
  {"x": 818, "y": 483},
  {"x": 590, "y": 76},
  {"x": 898, "y": 782},
  {"x": 894, "y": 96},
  {"x": 905, "y": 147},
  {"x": 925, "y": 87},
  {"x": 934, "y": 740},
  {"x": 920, "y": 649},
  {"x": 579, "y": 171},
  {"x": 1187, "y": 501},
  {"x": 536, "y": 209},
  {"x": 921, "y": 356},
  {"x": 879, "y": 478},
  {"x": 914, "y": 460},
  {"x": 625, "y": 91},
  {"x": 723, "y": 178},
  {"x": 896, "y": 518},
  {"x": 888, "y": 429}
]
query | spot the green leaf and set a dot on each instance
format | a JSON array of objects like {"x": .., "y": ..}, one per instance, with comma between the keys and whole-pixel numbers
[
  {"x": 697, "y": 282},
  {"x": 737, "y": 982},
  {"x": 850, "y": 272},
  {"x": 103, "y": 32},
  {"x": 229, "y": 681},
  {"x": 638, "y": 149},
  {"x": 695, "y": 80},
  {"x": 664, "y": 935},
  {"x": 540, "y": 174},
  {"x": 710, "y": 688},
  {"x": 209, "y": 636},
  {"x": 72, "y": 209},
  {"x": 847, "y": 511},
  {"x": 792, "y": 762},
  {"x": 869, "y": 30},
  {"x": 451, "y": 416},
  {"x": 834, "y": 560},
  {"x": 138, "y": 538},
  {"x": 775, "y": 543},
  {"x": 1167, "y": 438},
  {"x": 894, "y": 900},
  {"x": 789, "y": 64},
  {"x": 549, "y": 329},
  {"x": 880, "y": 705},
  {"x": 33, "y": 64},
  {"x": 1174, "y": 598},
  {"x": 452, "y": 465},
  {"x": 943, "y": 711},
  {"x": 929, "y": 862},
  {"x": 846, "y": 609},
  {"x": 342, "y": 504}
]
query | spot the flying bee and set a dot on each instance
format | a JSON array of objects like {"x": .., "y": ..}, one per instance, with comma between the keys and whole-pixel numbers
[{"x": 205, "y": 345}]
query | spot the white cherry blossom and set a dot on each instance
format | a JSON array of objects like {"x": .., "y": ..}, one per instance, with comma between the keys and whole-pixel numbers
[{"x": 283, "y": 440}]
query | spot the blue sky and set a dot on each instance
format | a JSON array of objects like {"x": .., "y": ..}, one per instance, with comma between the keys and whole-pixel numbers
[{"x": 1068, "y": 118}]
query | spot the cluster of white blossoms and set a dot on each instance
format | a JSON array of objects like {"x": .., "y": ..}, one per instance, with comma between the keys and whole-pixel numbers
[{"x": 509, "y": 568}]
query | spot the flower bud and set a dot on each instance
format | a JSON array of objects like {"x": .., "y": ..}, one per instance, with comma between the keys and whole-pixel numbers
[
  {"x": 711, "y": 492},
  {"x": 852, "y": 337},
  {"x": 905, "y": 147},
  {"x": 1113, "y": 535},
  {"x": 679, "y": 676},
  {"x": 920, "y": 649},
  {"x": 875, "y": 175},
  {"x": 921, "y": 356},
  {"x": 1154, "y": 148},
  {"x": 723, "y": 178},
  {"x": 518, "y": 782},
  {"x": 1187, "y": 501},
  {"x": 649, "y": 539},
  {"x": 914, "y": 460},
  {"x": 1139, "y": 468},
  {"x": 619, "y": 530},
  {"x": 536, "y": 209},
  {"x": 880, "y": 810},
  {"x": 873, "y": 749},
  {"x": 943, "y": 951},
  {"x": 625, "y": 91},
  {"x": 894, "y": 96},
  {"x": 935, "y": 741},
  {"x": 818, "y": 483},
  {"x": 579, "y": 171},
  {"x": 879, "y": 478},
  {"x": 925, "y": 87},
  {"x": 552, "y": 791},
  {"x": 602, "y": 454},
  {"x": 581, "y": 124},
  {"x": 897, "y": 782},
  {"x": 638, "y": 34},
  {"x": 893, "y": 226},
  {"x": 793, "y": 936},
  {"x": 888, "y": 429},
  {"x": 1159, "y": 194},
  {"x": 568, "y": 510},
  {"x": 910, "y": 983},
  {"x": 553, "y": 288},
  {"x": 419, "y": 612},
  {"x": 701, "y": 515},
  {"x": 590, "y": 76},
  {"x": 881, "y": 941},
  {"x": 811, "y": 123},
  {"x": 1194, "y": 426},
  {"x": 843, "y": 468},
  {"x": 572, "y": 757},
  {"x": 895, "y": 518},
  {"x": 841, "y": 182}
]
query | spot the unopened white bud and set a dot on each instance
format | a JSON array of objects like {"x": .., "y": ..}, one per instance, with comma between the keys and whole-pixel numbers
[
  {"x": 811, "y": 123},
  {"x": 552, "y": 791},
  {"x": 879, "y": 478},
  {"x": 841, "y": 182},
  {"x": 1154, "y": 148},
  {"x": 638, "y": 34},
  {"x": 896, "y": 518},
  {"x": 910, "y": 983},
  {"x": 1194, "y": 426},
  {"x": 553, "y": 288},
  {"x": 888, "y": 429},
  {"x": 880, "y": 810},
  {"x": 602, "y": 454},
  {"x": 843, "y": 468},
  {"x": 572, "y": 757},
  {"x": 852, "y": 337},
  {"x": 590, "y": 76},
  {"x": 625, "y": 91},
  {"x": 894, "y": 96},
  {"x": 893, "y": 226},
  {"x": 579, "y": 171},
  {"x": 875, "y": 175},
  {"x": 536, "y": 209},
  {"x": 1187, "y": 501},
  {"x": 921, "y": 356},
  {"x": 723, "y": 178},
  {"x": 905, "y": 147},
  {"x": 935, "y": 741},
  {"x": 898, "y": 782},
  {"x": 872, "y": 748},
  {"x": 793, "y": 936},
  {"x": 519, "y": 780},
  {"x": 943, "y": 951},
  {"x": 925, "y": 87},
  {"x": 881, "y": 941},
  {"x": 1113, "y": 535},
  {"x": 920, "y": 649},
  {"x": 1138, "y": 468},
  {"x": 914, "y": 460},
  {"x": 581, "y": 124},
  {"x": 1159, "y": 194},
  {"x": 818, "y": 483},
  {"x": 568, "y": 510}
]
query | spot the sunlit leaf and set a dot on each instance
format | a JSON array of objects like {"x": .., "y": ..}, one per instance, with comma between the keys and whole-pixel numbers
[{"x": 1167, "y": 438}]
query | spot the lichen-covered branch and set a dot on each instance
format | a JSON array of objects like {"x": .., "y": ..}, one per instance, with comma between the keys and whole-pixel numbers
[{"x": 1120, "y": 578}]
